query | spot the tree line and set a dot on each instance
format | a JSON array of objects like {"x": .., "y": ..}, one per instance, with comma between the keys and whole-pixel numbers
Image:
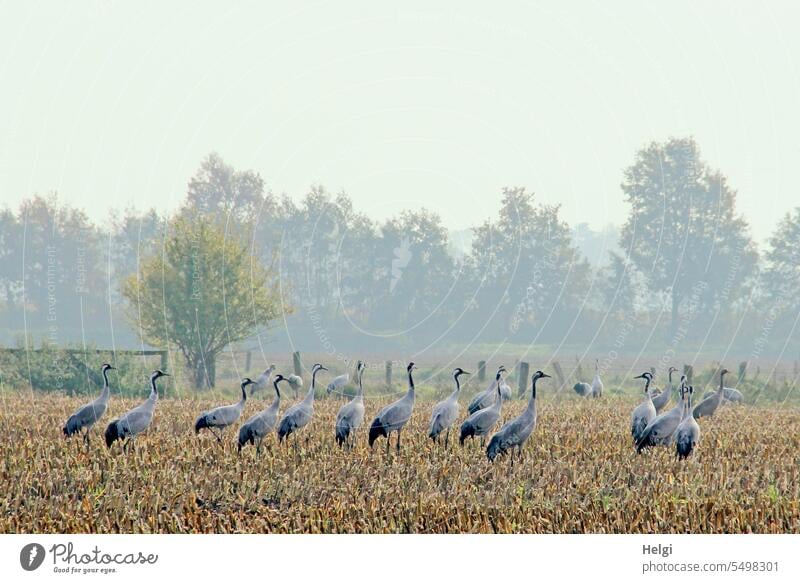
[{"x": 237, "y": 263}]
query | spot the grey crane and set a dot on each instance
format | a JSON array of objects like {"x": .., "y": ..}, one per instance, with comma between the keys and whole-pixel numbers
[
  {"x": 138, "y": 419},
  {"x": 259, "y": 425},
  {"x": 299, "y": 415},
  {"x": 660, "y": 401},
  {"x": 351, "y": 414},
  {"x": 445, "y": 412},
  {"x": 597, "y": 384},
  {"x": 708, "y": 406},
  {"x": 583, "y": 389},
  {"x": 661, "y": 429},
  {"x": 517, "y": 431},
  {"x": 263, "y": 380},
  {"x": 394, "y": 417},
  {"x": 644, "y": 413},
  {"x": 687, "y": 435},
  {"x": 481, "y": 422},
  {"x": 338, "y": 383},
  {"x": 486, "y": 398},
  {"x": 222, "y": 417},
  {"x": 90, "y": 413},
  {"x": 729, "y": 395},
  {"x": 296, "y": 382}
]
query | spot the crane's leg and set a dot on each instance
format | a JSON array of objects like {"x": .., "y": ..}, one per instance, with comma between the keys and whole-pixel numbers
[
  {"x": 219, "y": 439},
  {"x": 387, "y": 443},
  {"x": 398, "y": 439},
  {"x": 258, "y": 446},
  {"x": 447, "y": 438},
  {"x": 483, "y": 441}
]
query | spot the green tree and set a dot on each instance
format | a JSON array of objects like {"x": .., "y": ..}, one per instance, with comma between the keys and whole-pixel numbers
[
  {"x": 203, "y": 292},
  {"x": 683, "y": 232}
]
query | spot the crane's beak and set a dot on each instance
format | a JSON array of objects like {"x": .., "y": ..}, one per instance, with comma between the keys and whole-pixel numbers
[{"x": 546, "y": 376}]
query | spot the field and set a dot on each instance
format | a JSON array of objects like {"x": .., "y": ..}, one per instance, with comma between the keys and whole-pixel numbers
[{"x": 579, "y": 474}]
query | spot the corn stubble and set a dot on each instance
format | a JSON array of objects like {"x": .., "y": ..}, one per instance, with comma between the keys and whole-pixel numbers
[{"x": 579, "y": 474}]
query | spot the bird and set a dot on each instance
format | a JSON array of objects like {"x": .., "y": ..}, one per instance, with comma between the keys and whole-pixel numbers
[
  {"x": 222, "y": 417},
  {"x": 445, "y": 412},
  {"x": 299, "y": 415},
  {"x": 660, "y": 430},
  {"x": 296, "y": 382},
  {"x": 597, "y": 384},
  {"x": 517, "y": 431},
  {"x": 351, "y": 414},
  {"x": 583, "y": 389},
  {"x": 708, "y": 406},
  {"x": 660, "y": 401},
  {"x": 394, "y": 417},
  {"x": 486, "y": 398},
  {"x": 138, "y": 419},
  {"x": 90, "y": 413},
  {"x": 644, "y": 413},
  {"x": 729, "y": 395},
  {"x": 338, "y": 383},
  {"x": 688, "y": 432},
  {"x": 259, "y": 425},
  {"x": 481, "y": 422},
  {"x": 263, "y": 380}
]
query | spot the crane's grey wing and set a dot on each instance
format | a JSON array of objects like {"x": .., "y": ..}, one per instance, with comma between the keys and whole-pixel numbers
[{"x": 135, "y": 421}]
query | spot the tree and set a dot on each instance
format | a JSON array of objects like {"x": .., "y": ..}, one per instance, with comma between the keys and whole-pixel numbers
[
  {"x": 203, "y": 292},
  {"x": 782, "y": 271},
  {"x": 526, "y": 262},
  {"x": 683, "y": 232}
]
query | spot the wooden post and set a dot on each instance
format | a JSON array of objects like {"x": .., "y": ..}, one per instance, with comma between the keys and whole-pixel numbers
[
  {"x": 559, "y": 374},
  {"x": 688, "y": 370},
  {"x": 388, "y": 373},
  {"x": 742, "y": 371},
  {"x": 164, "y": 359},
  {"x": 248, "y": 360},
  {"x": 298, "y": 365},
  {"x": 523, "y": 371},
  {"x": 481, "y": 370}
]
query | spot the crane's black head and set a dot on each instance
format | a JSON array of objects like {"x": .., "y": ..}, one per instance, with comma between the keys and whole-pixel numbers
[
  {"x": 411, "y": 366},
  {"x": 317, "y": 367},
  {"x": 648, "y": 376},
  {"x": 459, "y": 371},
  {"x": 158, "y": 374},
  {"x": 269, "y": 369},
  {"x": 247, "y": 381},
  {"x": 107, "y": 366},
  {"x": 723, "y": 372},
  {"x": 541, "y": 375},
  {"x": 673, "y": 369},
  {"x": 500, "y": 372}
]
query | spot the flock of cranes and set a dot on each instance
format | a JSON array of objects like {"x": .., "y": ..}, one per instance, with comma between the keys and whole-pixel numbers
[{"x": 652, "y": 424}]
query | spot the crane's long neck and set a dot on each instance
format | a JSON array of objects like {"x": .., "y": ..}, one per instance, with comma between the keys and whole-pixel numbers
[
  {"x": 410, "y": 385},
  {"x": 532, "y": 401},
  {"x": 360, "y": 384},
  {"x": 671, "y": 372},
  {"x": 153, "y": 390},
  {"x": 647, "y": 388},
  {"x": 106, "y": 390},
  {"x": 721, "y": 383},
  {"x": 244, "y": 395},
  {"x": 458, "y": 385},
  {"x": 313, "y": 388},
  {"x": 277, "y": 400}
]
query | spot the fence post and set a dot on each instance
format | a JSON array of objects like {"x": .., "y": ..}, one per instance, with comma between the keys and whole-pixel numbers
[
  {"x": 164, "y": 359},
  {"x": 688, "y": 370},
  {"x": 248, "y": 360},
  {"x": 559, "y": 374},
  {"x": 388, "y": 373},
  {"x": 524, "y": 369},
  {"x": 298, "y": 366},
  {"x": 742, "y": 371},
  {"x": 481, "y": 370}
]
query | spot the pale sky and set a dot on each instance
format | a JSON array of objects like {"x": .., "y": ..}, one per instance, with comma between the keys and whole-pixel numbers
[{"x": 114, "y": 104}]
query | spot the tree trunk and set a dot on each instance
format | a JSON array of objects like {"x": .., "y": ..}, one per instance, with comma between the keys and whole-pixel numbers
[{"x": 203, "y": 370}]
